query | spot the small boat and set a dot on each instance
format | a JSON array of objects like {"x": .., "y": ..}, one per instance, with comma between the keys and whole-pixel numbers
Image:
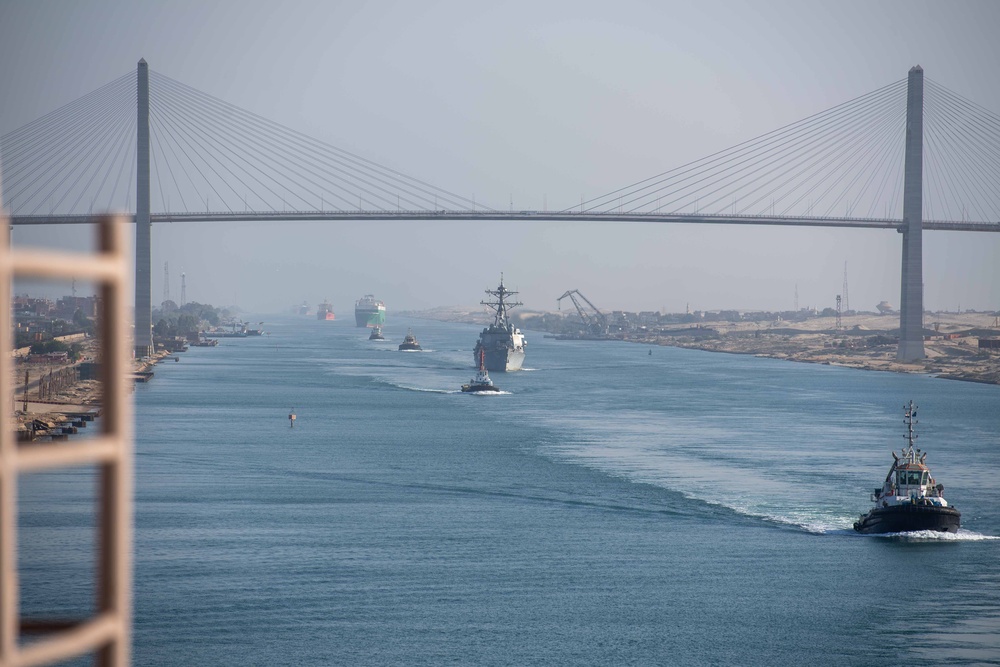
[
  {"x": 909, "y": 499},
  {"x": 409, "y": 342},
  {"x": 482, "y": 381},
  {"x": 376, "y": 333}
]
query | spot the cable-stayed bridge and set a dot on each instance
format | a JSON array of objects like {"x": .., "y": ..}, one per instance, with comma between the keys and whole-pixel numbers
[{"x": 910, "y": 156}]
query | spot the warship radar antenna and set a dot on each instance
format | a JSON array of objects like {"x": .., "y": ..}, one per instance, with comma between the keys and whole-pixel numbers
[{"x": 501, "y": 305}]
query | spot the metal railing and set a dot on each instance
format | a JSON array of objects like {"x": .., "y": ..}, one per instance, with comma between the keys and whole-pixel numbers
[{"x": 106, "y": 634}]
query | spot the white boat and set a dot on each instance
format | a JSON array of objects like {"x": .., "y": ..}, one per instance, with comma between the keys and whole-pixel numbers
[{"x": 482, "y": 381}]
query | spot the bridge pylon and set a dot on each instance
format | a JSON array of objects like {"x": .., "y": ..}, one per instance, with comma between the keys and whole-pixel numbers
[
  {"x": 911, "y": 302},
  {"x": 143, "y": 228}
]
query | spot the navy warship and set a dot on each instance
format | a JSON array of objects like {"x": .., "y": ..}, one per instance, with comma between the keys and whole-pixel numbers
[{"x": 501, "y": 344}]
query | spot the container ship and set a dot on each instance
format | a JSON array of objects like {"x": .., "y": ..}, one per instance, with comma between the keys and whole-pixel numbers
[
  {"x": 369, "y": 312},
  {"x": 500, "y": 346},
  {"x": 324, "y": 311}
]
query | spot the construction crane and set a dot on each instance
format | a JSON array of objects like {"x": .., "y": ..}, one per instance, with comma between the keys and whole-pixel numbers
[{"x": 595, "y": 323}]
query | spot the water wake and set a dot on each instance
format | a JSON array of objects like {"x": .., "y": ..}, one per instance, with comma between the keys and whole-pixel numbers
[{"x": 934, "y": 536}]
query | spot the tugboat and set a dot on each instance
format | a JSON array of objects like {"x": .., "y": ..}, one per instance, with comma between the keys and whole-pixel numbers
[
  {"x": 482, "y": 381},
  {"x": 409, "y": 343},
  {"x": 375, "y": 321},
  {"x": 909, "y": 499}
]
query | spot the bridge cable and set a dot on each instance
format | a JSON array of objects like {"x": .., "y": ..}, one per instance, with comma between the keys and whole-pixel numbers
[
  {"x": 272, "y": 143},
  {"x": 747, "y": 157},
  {"x": 777, "y": 133},
  {"x": 752, "y": 156},
  {"x": 301, "y": 140}
]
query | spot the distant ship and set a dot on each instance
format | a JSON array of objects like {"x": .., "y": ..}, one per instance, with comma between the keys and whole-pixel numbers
[
  {"x": 502, "y": 344},
  {"x": 324, "y": 311},
  {"x": 409, "y": 343},
  {"x": 303, "y": 310},
  {"x": 369, "y": 312}
]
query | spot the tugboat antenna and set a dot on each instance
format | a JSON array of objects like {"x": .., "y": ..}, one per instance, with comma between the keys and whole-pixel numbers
[{"x": 909, "y": 412}]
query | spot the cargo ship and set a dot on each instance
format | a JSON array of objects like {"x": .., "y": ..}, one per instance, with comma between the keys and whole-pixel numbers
[
  {"x": 500, "y": 344},
  {"x": 369, "y": 312},
  {"x": 324, "y": 311}
]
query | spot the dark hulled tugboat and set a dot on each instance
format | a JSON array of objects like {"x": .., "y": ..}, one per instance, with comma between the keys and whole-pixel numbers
[
  {"x": 482, "y": 381},
  {"x": 909, "y": 499},
  {"x": 409, "y": 343},
  {"x": 376, "y": 333}
]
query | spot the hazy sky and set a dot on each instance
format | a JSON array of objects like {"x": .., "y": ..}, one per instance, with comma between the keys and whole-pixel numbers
[{"x": 541, "y": 103}]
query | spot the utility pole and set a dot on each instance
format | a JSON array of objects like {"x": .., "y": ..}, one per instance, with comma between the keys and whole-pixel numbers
[
  {"x": 847, "y": 300},
  {"x": 166, "y": 283}
]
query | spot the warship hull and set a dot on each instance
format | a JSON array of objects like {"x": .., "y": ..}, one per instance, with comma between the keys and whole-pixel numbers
[{"x": 500, "y": 355}]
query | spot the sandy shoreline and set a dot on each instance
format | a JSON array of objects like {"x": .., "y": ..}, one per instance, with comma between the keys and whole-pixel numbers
[{"x": 864, "y": 341}]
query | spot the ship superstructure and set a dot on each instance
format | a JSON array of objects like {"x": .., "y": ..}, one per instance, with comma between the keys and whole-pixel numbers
[
  {"x": 500, "y": 344},
  {"x": 369, "y": 311}
]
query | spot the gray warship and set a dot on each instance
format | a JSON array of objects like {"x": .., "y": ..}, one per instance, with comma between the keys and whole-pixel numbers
[{"x": 500, "y": 344}]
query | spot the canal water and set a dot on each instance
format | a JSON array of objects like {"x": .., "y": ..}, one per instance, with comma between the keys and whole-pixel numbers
[{"x": 612, "y": 506}]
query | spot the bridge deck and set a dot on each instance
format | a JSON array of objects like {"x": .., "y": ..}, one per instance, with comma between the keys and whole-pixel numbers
[{"x": 540, "y": 216}]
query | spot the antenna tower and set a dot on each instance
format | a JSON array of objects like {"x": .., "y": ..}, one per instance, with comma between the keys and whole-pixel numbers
[
  {"x": 166, "y": 282},
  {"x": 183, "y": 289},
  {"x": 839, "y": 324},
  {"x": 847, "y": 299},
  {"x": 796, "y": 306}
]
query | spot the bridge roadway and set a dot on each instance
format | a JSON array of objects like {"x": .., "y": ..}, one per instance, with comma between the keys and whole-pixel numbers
[{"x": 579, "y": 216}]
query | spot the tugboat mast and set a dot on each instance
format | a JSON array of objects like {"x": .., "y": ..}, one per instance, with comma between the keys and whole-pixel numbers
[{"x": 910, "y": 414}]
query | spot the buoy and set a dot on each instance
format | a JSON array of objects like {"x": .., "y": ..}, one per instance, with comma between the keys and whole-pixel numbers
[{"x": 291, "y": 418}]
